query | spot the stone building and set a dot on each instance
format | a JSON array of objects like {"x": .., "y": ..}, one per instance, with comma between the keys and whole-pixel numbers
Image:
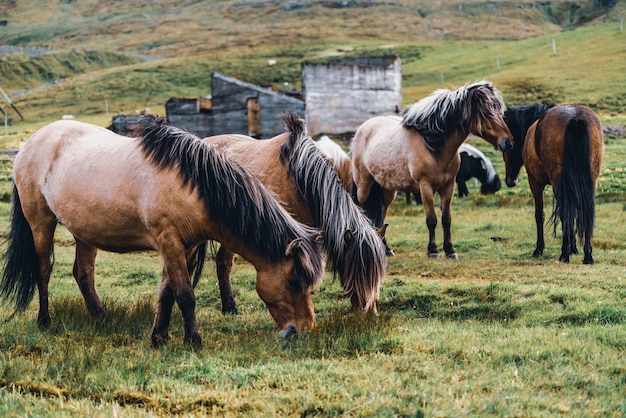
[
  {"x": 341, "y": 94},
  {"x": 338, "y": 95},
  {"x": 235, "y": 107}
]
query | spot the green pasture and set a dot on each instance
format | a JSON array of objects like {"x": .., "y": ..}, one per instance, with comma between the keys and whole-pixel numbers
[{"x": 496, "y": 333}]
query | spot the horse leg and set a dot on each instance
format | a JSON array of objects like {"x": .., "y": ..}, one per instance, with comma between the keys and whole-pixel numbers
[
  {"x": 431, "y": 220},
  {"x": 565, "y": 242},
  {"x": 43, "y": 237},
  {"x": 446, "y": 220},
  {"x": 462, "y": 187},
  {"x": 175, "y": 286},
  {"x": 224, "y": 262},
  {"x": 84, "y": 273},
  {"x": 537, "y": 191},
  {"x": 388, "y": 197}
]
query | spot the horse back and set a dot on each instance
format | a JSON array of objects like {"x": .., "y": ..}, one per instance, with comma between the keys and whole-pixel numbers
[
  {"x": 396, "y": 158},
  {"x": 262, "y": 159},
  {"x": 99, "y": 186},
  {"x": 544, "y": 148}
]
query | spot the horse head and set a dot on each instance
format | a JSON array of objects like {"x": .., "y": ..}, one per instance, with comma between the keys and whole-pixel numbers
[
  {"x": 488, "y": 106},
  {"x": 519, "y": 119},
  {"x": 285, "y": 287}
]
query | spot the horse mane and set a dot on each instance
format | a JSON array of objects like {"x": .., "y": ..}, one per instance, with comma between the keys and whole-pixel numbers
[
  {"x": 445, "y": 112},
  {"x": 243, "y": 206},
  {"x": 336, "y": 214},
  {"x": 519, "y": 119}
]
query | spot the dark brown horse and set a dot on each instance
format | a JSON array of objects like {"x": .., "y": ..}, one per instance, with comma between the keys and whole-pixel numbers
[
  {"x": 291, "y": 166},
  {"x": 166, "y": 191},
  {"x": 561, "y": 146},
  {"x": 419, "y": 152}
]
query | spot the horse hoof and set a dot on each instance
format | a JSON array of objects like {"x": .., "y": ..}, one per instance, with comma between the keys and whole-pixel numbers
[
  {"x": 195, "y": 341},
  {"x": 433, "y": 255},
  {"x": 158, "y": 340},
  {"x": 452, "y": 256},
  {"x": 232, "y": 310},
  {"x": 588, "y": 260}
]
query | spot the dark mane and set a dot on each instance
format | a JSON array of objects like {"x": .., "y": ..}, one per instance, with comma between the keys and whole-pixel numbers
[
  {"x": 519, "y": 119},
  {"x": 361, "y": 265},
  {"x": 445, "y": 112},
  {"x": 237, "y": 199}
]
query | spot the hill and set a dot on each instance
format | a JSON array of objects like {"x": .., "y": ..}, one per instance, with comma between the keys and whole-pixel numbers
[{"x": 99, "y": 49}]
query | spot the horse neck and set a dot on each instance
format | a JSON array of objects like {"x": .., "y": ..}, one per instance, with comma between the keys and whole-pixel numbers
[
  {"x": 453, "y": 142},
  {"x": 241, "y": 247}
]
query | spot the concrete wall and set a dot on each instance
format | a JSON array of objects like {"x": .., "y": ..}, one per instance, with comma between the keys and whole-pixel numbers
[{"x": 340, "y": 95}]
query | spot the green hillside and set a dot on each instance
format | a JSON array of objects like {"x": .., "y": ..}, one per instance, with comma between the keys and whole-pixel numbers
[{"x": 97, "y": 46}]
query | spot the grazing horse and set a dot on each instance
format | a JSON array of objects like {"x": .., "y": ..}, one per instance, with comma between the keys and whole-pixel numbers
[
  {"x": 562, "y": 146},
  {"x": 419, "y": 152},
  {"x": 166, "y": 191},
  {"x": 476, "y": 164},
  {"x": 293, "y": 168}
]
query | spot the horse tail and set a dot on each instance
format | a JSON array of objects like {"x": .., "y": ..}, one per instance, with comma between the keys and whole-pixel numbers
[
  {"x": 374, "y": 206},
  {"x": 574, "y": 190},
  {"x": 199, "y": 256},
  {"x": 20, "y": 262}
]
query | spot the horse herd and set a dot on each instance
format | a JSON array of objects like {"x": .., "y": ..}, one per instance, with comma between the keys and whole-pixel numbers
[{"x": 285, "y": 204}]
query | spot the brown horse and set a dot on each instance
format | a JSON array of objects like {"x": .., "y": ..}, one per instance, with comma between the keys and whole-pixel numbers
[
  {"x": 418, "y": 152},
  {"x": 166, "y": 191},
  {"x": 293, "y": 168},
  {"x": 561, "y": 146}
]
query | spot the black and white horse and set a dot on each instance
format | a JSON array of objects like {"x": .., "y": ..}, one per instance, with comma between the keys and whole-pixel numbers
[{"x": 476, "y": 164}]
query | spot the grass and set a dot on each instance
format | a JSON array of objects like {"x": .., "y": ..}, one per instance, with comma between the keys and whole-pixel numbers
[{"x": 495, "y": 333}]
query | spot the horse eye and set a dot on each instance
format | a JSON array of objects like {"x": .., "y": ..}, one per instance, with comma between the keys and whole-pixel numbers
[{"x": 294, "y": 285}]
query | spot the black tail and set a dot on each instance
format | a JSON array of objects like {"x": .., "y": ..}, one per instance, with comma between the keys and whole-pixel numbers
[
  {"x": 374, "y": 206},
  {"x": 574, "y": 192},
  {"x": 199, "y": 256},
  {"x": 21, "y": 266}
]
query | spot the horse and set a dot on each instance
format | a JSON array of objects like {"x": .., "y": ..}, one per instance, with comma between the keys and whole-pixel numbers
[
  {"x": 474, "y": 164},
  {"x": 291, "y": 166},
  {"x": 339, "y": 160},
  {"x": 562, "y": 146},
  {"x": 165, "y": 191},
  {"x": 419, "y": 152}
]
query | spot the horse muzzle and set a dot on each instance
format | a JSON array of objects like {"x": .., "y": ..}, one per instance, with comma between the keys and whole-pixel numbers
[
  {"x": 288, "y": 331},
  {"x": 504, "y": 145},
  {"x": 511, "y": 182}
]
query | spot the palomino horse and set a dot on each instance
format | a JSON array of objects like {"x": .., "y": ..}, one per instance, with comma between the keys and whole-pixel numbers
[
  {"x": 166, "y": 191},
  {"x": 296, "y": 171},
  {"x": 419, "y": 152},
  {"x": 561, "y": 146}
]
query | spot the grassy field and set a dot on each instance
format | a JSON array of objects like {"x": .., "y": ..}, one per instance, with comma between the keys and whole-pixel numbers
[{"x": 496, "y": 333}]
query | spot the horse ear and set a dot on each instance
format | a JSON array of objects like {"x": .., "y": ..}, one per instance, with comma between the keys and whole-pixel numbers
[
  {"x": 348, "y": 238},
  {"x": 383, "y": 231},
  {"x": 293, "y": 246}
]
